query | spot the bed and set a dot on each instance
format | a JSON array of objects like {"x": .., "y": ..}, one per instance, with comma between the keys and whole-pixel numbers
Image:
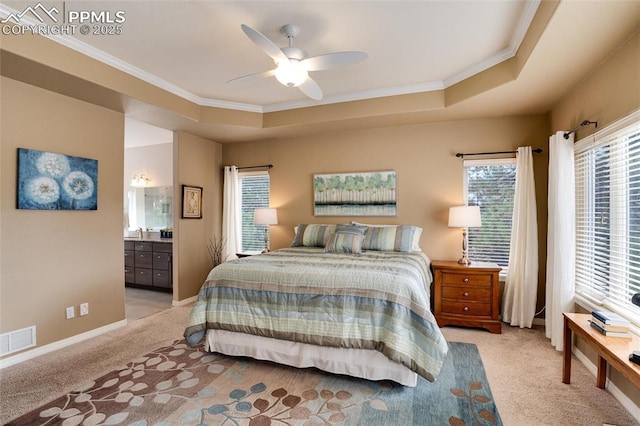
[{"x": 350, "y": 310}]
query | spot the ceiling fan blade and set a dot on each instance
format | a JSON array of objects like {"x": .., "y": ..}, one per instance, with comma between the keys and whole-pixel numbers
[
  {"x": 254, "y": 76},
  {"x": 264, "y": 43},
  {"x": 334, "y": 60},
  {"x": 311, "y": 89}
]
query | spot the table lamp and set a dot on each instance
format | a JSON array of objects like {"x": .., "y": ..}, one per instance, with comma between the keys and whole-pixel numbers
[
  {"x": 265, "y": 216},
  {"x": 464, "y": 217}
]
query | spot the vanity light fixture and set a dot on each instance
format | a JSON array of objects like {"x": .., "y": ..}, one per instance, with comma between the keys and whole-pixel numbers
[{"x": 139, "y": 181}]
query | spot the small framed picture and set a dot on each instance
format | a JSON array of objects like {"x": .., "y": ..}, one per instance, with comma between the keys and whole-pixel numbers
[{"x": 191, "y": 202}]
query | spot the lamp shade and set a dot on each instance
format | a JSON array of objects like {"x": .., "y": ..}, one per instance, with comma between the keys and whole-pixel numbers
[
  {"x": 464, "y": 217},
  {"x": 265, "y": 216}
]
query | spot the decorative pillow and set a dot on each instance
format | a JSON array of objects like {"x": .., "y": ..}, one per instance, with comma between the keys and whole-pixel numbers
[
  {"x": 417, "y": 232},
  {"x": 351, "y": 229},
  {"x": 391, "y": 238},
  {"x": 312, "y": 235},
  {"x": 345, "y": 242}
]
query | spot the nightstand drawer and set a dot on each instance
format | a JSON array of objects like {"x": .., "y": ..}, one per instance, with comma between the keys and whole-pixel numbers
[
  {"x": 466, "y": 279},
  {"x": 474, "y": 294},
  {"x": 463, "y": 308}
]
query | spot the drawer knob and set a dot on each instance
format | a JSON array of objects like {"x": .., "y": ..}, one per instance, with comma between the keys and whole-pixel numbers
[
  {"x": 126, "y": 271},
  {"x": 466, "y": 308},
  {"x": 466, "y": 280},
  {"x": 465, "y": 294},
  {"x": 143, "y": 255}
]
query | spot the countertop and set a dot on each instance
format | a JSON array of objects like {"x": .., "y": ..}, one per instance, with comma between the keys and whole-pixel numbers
[{"x": 153, "y": 239}]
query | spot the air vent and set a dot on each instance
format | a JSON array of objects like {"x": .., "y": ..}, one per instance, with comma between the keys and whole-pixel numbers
[{"x": 17, "y": 340}]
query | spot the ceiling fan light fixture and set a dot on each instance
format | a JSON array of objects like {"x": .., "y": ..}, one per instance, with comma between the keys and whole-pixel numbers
[{"x": 291, "y": 73}]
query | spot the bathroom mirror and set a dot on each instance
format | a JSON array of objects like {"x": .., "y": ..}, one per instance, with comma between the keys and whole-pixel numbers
[{"x": 150, "y": 208}]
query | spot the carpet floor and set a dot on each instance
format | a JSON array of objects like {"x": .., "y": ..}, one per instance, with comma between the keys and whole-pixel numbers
[
  {"x": 523, "y": 369},
  {"x": 179, "y": 385}
]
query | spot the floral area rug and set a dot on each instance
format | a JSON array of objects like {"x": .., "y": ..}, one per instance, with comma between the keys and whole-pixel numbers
[{"x": 178, "y": 385}]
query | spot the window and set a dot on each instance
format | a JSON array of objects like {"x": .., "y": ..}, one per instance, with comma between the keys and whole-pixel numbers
[
  {"x": 491, "y": 185},
  {"x": 608, "y": 217},
  {"x": 254, "y": 190}
]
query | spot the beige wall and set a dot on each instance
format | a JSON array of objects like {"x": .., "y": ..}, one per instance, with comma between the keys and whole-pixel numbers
[
  {"x": 54, "y": 259},
  {"x": 610, "y": 93},
  {"x": 430, "y": 177},
  {"x": 154, "y": 161},
  {"x": 197, "y": 162}
]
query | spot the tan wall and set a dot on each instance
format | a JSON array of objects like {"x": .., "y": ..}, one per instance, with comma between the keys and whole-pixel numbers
[
  {"x": 154, "y": 161},
  {"x": 609, "y": 94},
  {"x": 196, "y": 162},
  {"x": 54, "y": 259},
  {"x": 430, "y": 177}
]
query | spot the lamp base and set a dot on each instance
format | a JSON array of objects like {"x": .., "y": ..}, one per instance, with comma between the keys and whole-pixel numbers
[
  {"x": 266, "y": 241},
  {"x": 464, "y": 260}
]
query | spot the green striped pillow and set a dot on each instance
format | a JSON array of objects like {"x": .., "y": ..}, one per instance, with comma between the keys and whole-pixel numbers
[
  {"x": 345, "y": 242},
  {"x": 351, "y": 229},
  {"x": 390, "y": 238},
  {"x": 312, "y": 235}
]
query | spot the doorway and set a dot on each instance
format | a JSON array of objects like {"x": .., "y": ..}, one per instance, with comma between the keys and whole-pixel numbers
[{"x": 148, "y": 152}]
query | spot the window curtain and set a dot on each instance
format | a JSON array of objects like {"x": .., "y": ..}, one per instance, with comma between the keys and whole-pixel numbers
[
  {"x": 560, "y": 237},
  {"x": 231, "y": 214},
  {"x": 521, "y": 287}
]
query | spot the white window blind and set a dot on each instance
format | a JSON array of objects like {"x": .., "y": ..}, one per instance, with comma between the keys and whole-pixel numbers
[
  {"x": 490, "y": 184},
  {"x": 608, "y": 217},
  {"x": 254, "y": 190}
]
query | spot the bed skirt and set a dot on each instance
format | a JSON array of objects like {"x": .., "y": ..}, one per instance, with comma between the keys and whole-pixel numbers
[{"x": 363, "y": 363}]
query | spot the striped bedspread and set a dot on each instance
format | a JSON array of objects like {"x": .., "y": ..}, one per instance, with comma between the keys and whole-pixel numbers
[{"x": 376, "y": 300}]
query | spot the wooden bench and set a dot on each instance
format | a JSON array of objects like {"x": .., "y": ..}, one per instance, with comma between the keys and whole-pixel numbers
[{"x": 611, "y": 350}]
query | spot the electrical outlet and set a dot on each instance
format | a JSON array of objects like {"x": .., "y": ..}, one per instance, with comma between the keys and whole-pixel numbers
[
  {"x": 71, "y": 312},
  {"x": 84, "y": 309}
]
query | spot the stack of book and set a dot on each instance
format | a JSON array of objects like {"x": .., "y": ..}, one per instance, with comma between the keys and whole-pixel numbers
[{"x": 610, "y": 324}]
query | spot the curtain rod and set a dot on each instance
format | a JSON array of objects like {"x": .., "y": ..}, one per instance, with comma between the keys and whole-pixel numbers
[
  {"x": 580, "y": 126},
  {"x": 263, "y": 166},
  {"x": 462, "y": 155}
]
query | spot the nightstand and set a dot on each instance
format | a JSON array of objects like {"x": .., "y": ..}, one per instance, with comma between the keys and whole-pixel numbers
[{"x": 467, "y": 295}]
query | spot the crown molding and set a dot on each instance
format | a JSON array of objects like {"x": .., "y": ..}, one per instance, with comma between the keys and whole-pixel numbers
[{"x": 85, "y": 49}]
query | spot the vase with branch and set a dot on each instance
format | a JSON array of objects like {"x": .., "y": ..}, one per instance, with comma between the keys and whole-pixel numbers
[{"x": 216, "y": 248}]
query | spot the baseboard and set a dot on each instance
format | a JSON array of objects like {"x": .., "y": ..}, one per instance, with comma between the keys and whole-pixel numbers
[
  {"x": 41, "y": 350},
  {"x": 623, "y": 399},
  {"x": 539, "y": 321},
  {"x": 184, "y": 301}
]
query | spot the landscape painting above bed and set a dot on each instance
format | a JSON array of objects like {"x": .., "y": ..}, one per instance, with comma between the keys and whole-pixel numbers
[{"x": 355, "y": 194}]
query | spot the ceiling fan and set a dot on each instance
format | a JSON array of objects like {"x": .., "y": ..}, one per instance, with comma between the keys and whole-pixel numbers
[{"x": 293, "y": 66}]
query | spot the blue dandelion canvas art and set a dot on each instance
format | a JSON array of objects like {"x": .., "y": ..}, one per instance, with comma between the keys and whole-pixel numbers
[{"x": 50, "y": 181}]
